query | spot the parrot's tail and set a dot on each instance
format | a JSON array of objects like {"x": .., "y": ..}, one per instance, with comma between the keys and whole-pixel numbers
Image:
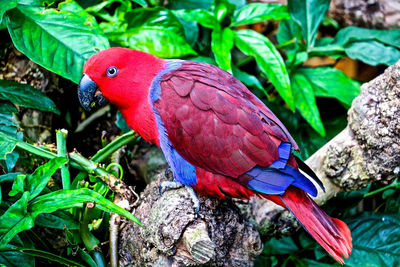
[{"x": 331, "y": 233}]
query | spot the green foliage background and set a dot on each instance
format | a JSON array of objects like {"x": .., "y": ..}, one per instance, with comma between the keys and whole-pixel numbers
[{"x": 62, "y": 35}]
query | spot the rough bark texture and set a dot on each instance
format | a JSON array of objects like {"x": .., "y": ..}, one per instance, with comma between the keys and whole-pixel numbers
[
  {"x": 381, "y": 14},
  {"x": 174, "y": 235}
]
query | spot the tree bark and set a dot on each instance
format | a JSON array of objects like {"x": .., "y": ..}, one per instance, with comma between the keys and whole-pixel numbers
[{"x": 380, "y": 14}]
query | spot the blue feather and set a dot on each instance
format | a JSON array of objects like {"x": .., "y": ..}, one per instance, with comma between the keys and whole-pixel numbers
[{"x": 183, "y": 171}]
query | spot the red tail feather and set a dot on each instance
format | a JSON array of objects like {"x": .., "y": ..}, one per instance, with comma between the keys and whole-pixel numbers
[{"x": 331, "y": 233}]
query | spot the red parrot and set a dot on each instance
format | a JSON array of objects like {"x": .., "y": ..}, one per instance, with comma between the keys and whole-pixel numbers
[{"x": 217, "y": 137}]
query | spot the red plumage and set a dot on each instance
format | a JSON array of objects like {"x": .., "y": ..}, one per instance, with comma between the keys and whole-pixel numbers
[{"x": 217, "y": 125}]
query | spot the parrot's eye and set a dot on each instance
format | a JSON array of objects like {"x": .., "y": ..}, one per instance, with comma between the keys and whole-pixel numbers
[{"x": 112, "y": 72}]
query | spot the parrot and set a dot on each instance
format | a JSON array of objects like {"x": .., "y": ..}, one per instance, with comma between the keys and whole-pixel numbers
[{"x": 217, "y": 137}]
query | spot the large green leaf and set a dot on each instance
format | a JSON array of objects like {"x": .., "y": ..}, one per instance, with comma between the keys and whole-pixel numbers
[
  {"x": 57, "y": 220},
  {"x": 21, "y": 215},
  {"x": 64, "y": 199},
  {"x": 353, "y": 34},
  {"x": 6, "y": 5},
  {"x": 268, "y": 59},
  {"x": 247, "y": 79},
  {"x": 12, "y": 258},
  {"x": 16, "y": 219},
  {"x": 303, "y": 93},
  {"x": 376, "y": 240},
  {"x": 309, "y": 14},
  {"x": 26, "y": 96},
  {"x": 37, "y": 181},
  {"x": 7, "y": 145},
  {"x": 153, "y": 30},
  {"x": 373, "y": 53},
  {"x": 221, "y": 45},
  {"x": 59, "y": 40},
  {"x": 330, "y": 82},
  {"x": 201, "y": 16},
  {"x": 257, "y": 12}
]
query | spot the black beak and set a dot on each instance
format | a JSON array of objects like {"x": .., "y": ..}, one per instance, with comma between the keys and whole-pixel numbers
[{"x": 89, "y": 94}]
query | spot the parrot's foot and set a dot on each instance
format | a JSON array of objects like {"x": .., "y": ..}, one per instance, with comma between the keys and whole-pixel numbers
[
  {"x": 168, "y": 173},
  {"x": 195, "y": 198},
  {"x": 167, "y": 185}
]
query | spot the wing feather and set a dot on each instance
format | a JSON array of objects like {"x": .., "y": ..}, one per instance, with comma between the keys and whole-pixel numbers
[{"x": 215, "y": 123}]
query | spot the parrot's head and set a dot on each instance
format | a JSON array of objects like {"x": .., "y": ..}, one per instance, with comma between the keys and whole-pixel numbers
[{"x": 121, "y": 76}]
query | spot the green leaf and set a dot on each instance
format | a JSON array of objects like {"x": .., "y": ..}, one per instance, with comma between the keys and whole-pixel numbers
[
  {"x": 221, "y": 45},
  {"x": 308, "y": 14},
  {"x": 288, "y": 30},
  {"x": 268, "y": 59},
  {"x": 64, "y": 199},
  {"x": 14, "y": 258},
  {"x": 7, "y": 145},
  {"x": 140, "y": 2},
  {"x": 153, "y": 30},
  {"x": 16, "y": 219},
  {"x": 6, "y": 5},
  {"x": 303, "y": 92},
  {"x": 373, "y": 53},
  {"x": 26, "y": 96},
  {"x": 247, "y": 79},
  {"x": 284, "y": 245},
  {"x": 354, "y": 34},
  {"x": 330, "y": 82},
  {"x": 43, "y": 254},
  {"x": 121, "y": 123},
  {"x": 18, "y": 185},
  {"x": 38, "y": 180},
  {"x": 57, "y": 220},
  {"x": 201, "y": 16},
  {"x": 257, "y": 12},
  {"x": 189, "y": 4},
  {"x": 59, "y": 40},
  {"x": 376, "y": 240}
]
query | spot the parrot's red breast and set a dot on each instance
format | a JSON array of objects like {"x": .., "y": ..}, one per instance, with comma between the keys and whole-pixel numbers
[{"x": 215, "y": 134}]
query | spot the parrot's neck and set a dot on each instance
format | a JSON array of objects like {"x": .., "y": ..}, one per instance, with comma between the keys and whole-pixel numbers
[{"x": 142, "y": 120}]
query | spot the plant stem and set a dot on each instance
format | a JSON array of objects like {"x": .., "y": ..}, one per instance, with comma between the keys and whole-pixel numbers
[
  {"x": 61, "y": 138},
  {"x": 395, "y": 185},
  {"x": 117, "y": 143}
]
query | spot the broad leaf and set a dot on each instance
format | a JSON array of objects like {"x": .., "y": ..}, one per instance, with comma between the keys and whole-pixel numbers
[
  {"x": 309, "y": 14},
  {"x": 257, "y": 12},
  {"x": 373, "y": 53},
  {"x": 7, "y": 145},
  {"x": 59, "y": 40},
  {"x": 284, "y": 245},
  {"x": 153, "y": 30},
  {"x": 37, "y": 181},
  {"x": 354, "y": 34},
  {"x": 221, "y": 45},
  {"x": 64, "y": 199},
  {"x": 12, "y": 258},
  {"x": 201, "y": 16},
  {"x": 268, "y": 59},
  {"x": 43, "y": 254},
  {"x": 330, "y": 82},
  {"x": 247, "y": 79},
  {"x": 16, "y": 219},
  {"x": 376, "y": 240},
  {"x": 26, "y": 96},
  {"x": 303, "y": 92},
  {"x": 6, "y": 5}
]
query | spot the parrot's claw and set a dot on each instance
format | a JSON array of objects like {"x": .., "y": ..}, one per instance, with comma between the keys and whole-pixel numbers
[
  {"x": 166, "y": 185},
  {"x": 195, "y": 198},
  {"x": 168, "y": 173}
]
